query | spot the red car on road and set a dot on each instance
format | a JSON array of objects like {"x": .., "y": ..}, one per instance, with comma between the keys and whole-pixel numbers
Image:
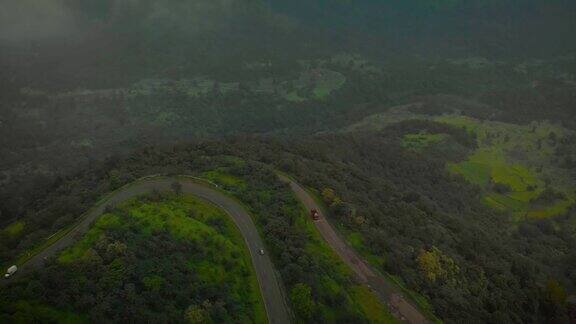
[{"x": 314, "y": 214}]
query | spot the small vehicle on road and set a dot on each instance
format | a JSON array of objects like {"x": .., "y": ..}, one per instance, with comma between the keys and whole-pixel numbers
[
  {"x": 10, "y": 271},
  {"x": 261, "y": 251},
  {"x": 314, "y": 214}
]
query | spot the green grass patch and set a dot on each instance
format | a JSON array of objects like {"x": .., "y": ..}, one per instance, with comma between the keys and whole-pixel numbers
[
  {"x": 474, "y": 172},
  {"x": 421, "y": 140},
  {"x": 329, "y": 82},
  {"x": 557, "y": 208},
  {"x": 312, "y": 84},
  {"x": 510, "y": 154},
  {"x": 14, "y": 229},
  {"x": 518, "y": 177},
  {"x": 293, "y": 96},
  {"x": 470, "y": 124},
  {"x": 356, "y": 241},
  {"x": 505, "y": 202},
  {"x": 371, "y": 306},
  {"x": 78, "y": 250},
  {"x": 222, "y": 177}
]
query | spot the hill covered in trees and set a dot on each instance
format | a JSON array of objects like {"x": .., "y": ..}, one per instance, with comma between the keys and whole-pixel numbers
[
  {"x": 403, "y": 210},
  {"x": 161, "y": 257},
  {"x": 439, "y": 134}
]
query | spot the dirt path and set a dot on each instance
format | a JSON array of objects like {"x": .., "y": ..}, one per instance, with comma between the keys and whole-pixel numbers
[
  {"x": 276, "y": 308},
  {"x": 388, "y": 293}
]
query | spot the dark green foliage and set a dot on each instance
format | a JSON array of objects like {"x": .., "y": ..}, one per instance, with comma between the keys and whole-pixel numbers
[
  {"x": 57, "y": 153},
  {"x": 408, "y": 203},
  {"x": 130, "y": 275},
  {"x": 272, "y": 203},
  {"x": 503, "y": 188},
  {"x": 547, "y": 197}
]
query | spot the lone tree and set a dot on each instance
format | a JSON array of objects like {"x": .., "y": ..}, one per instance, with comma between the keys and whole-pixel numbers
[{"x": 176, "y": 187}]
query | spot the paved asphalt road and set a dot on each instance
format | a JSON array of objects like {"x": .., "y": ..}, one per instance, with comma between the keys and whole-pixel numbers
[
  {"x": 274, "y": 302},
  {"x": 399, "y": 306}
]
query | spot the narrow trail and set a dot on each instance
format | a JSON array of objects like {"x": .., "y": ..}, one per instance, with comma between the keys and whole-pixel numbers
[
  {"x": 399, "y": 305},
  {"x": 274, "y": 302}
]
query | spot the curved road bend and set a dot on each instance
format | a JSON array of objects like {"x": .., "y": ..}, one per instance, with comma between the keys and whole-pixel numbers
[
  {"x": 276, "y": 308},
  {"x": 400, "y": 307}
]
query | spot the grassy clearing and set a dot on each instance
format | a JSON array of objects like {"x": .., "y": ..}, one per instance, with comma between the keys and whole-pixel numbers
[
  {"x": 293, "y": 96},
  {"x": 78, "y": 250},
  {"x": 505, "y": 202},
  {"x": 312, "y": 84},
  {"x": 222, "y": 177},
  {"x": 521, "y": 157},
  {"x": 421, "y": 141},
  {"x": 474, "y": 172},
  {"x": 14, "y": 229},
  {"x": 553, "y": 210},
  {"x": 329, "y": 82},
  {"x": 355, "y": 240},
  {"x": 371, "y": 306}
]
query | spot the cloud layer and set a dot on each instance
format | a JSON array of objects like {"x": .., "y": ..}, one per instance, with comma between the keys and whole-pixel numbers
[{"x": 34, "y": 19}]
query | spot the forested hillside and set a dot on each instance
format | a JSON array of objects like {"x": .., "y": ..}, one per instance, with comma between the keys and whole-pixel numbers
[
  {"x": 440, "y": 135},
  {"x": 159, "y": 258},
  {"x": 409, "y": 216}
]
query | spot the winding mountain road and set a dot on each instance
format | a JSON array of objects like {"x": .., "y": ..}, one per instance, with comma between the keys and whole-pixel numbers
[
  {"x": 400, "y": 306},
  {"x": 274, "y": 302}
]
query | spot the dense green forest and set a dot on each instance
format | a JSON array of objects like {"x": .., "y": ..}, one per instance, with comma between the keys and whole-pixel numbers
[
  {"x": 159, "y": 258},
  {"x": 46, "y": 135},
  {"x": 414, "y": 219},
  {"x": 320, "y": 288},
  {"x": 440, "y": 135}
]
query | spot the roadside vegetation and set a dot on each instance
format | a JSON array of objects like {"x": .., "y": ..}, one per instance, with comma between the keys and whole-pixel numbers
[
  {"x": 158, "y": 258},
  {"x": 319, "y": 286},
  {"x": 355, "y": 239},
  {"x": 426, "y": 228}
]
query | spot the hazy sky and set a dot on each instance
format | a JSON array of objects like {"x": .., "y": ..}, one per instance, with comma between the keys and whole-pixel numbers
[{"x": 34, "y": 19}]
